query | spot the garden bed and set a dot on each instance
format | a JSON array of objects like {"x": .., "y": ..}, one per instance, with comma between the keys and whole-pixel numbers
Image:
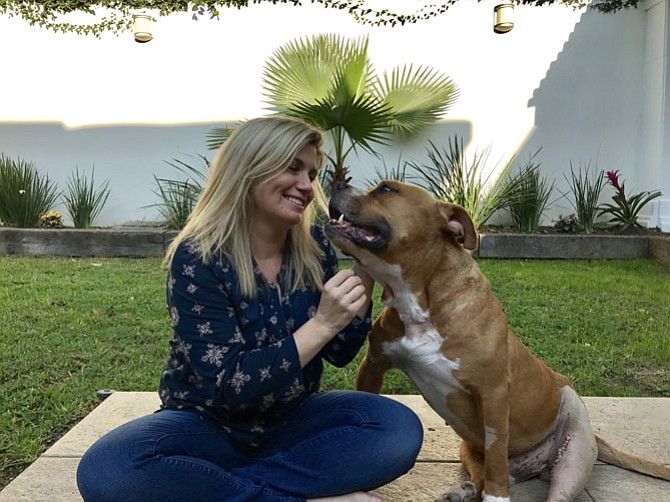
[{"x": 494, "y": 243}]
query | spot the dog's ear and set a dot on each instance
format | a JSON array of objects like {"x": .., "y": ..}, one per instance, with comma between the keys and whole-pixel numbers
[{"x": 459, "y": 224}]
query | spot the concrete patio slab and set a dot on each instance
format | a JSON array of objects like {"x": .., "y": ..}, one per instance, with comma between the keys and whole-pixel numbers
[
  {"x": 48, "y": 479},
  {"x": 638, "y": 425}
]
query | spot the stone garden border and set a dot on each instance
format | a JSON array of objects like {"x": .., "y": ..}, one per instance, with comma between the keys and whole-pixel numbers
[
  {"x": 151, "y": 243},
  {"x": 143, "y": 243},
  {"x": 574, "y": 246}
]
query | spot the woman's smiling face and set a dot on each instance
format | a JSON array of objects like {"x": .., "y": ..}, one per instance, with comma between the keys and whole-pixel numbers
[{"x": 281, "y": 200}]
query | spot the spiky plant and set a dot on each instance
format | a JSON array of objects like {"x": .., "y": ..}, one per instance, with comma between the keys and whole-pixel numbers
[
  {"x": 451, "y": 176},
  {"x": 83, "y": 200},
  {"x": 24, "y": 193}
]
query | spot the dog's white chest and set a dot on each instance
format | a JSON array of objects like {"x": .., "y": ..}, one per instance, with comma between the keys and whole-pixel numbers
[{"x": 418, "y": 354}]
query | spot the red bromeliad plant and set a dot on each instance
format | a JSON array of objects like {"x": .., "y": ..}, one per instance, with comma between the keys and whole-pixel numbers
[{"x": 625, "y": 210}]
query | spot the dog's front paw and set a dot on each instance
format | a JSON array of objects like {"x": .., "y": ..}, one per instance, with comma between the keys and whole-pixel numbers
[{"x": 462, "y": 492}]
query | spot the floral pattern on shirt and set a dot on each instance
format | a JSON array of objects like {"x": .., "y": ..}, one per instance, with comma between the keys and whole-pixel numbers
[{"x": 235, "y": 359}]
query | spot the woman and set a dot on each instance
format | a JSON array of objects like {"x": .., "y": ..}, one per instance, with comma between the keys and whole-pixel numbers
[{"x": 256, "y": 303}]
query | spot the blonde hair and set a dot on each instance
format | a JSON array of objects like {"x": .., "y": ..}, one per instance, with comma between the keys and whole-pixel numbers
[{"x": 221, "y": 220}]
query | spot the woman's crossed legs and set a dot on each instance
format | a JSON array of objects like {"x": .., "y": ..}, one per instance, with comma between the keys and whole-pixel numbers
[{"x": 336, "y": 443}]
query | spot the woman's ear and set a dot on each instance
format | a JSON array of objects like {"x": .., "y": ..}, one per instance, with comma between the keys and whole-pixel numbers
[{"x": 459, "y": 224}]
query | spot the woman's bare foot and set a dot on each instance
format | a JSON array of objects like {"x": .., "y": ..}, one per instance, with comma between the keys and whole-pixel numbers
[{"x": 349, "y": 497}]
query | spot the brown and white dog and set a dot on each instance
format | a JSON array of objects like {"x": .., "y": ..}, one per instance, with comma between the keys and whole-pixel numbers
[{"x": 446, "y": 330}]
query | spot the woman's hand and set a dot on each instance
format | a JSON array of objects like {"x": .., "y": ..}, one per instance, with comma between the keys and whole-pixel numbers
[{"x": 343, "y": 296}]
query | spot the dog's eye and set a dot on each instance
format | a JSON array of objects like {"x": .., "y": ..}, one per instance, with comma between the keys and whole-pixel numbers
[{"x": 384, "y": 188}]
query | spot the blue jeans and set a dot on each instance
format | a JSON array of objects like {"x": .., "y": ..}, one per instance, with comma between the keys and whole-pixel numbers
[{"x": 337, "y": 442}]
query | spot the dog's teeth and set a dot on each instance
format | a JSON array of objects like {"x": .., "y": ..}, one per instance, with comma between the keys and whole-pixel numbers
[{"x": 341, "y": 218}]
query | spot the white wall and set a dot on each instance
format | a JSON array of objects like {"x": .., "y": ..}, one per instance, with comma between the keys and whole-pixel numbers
[
  {"x": 655, "y": 133},
  {"x": 566, "y": 81}
]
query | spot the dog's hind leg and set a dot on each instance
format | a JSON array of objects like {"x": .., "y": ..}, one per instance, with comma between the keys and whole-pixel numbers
[
  {"x": 575, "y": 450},
  {"x": 570, "y": 475}
]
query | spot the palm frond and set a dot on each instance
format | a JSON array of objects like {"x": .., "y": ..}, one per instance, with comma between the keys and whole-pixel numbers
[
  {"x": 416, "y": 98},
  {"x": 217, "y": 136},
  {"x": 329, "y": 81},
  {"x": 303, "y": 69}
]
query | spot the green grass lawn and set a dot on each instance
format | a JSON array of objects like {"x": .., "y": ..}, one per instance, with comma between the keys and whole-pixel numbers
[{"x": 72, "y": 327}]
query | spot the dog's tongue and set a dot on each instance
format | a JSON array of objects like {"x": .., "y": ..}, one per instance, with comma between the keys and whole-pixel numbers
[{"x": 351, "y": 231}]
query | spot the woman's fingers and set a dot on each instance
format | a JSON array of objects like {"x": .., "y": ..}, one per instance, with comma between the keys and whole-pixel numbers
[
  {"x": 343, "y": 296},
  {"x": 355, "y": 293},
  {"x": 349, "y": 292},
  {"x": 341, "y": 278},
  {"x": 342, "y": 284}
]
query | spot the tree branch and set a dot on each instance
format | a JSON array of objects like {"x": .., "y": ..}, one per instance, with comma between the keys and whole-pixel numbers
[{"x": 118, "y": 13}]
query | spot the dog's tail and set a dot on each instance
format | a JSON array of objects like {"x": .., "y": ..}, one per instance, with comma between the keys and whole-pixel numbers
[{"x": 610, "y": 455}]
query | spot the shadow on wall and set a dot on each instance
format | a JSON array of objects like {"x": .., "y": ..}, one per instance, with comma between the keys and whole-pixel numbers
[
  {"x": 127, "y": 155},
  {"x": 589, "y": 107},
  {"x": 130, "y": 155},
  {"x": 365, "y": 166}
]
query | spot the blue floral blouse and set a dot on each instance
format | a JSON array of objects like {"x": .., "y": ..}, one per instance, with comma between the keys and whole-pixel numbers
[{"x": 235, "y": 360}]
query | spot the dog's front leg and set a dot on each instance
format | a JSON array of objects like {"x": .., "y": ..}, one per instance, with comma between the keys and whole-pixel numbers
[
  {"x": 495, "y": 414},
  {"x": 375, "y": 364},
  {"x": 370, "y": 377}
]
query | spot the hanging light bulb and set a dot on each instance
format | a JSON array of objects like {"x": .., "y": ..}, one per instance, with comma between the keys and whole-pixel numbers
[{"x": 503, "y": 20}]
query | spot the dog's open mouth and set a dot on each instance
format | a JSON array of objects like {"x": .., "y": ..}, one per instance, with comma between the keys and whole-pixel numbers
[{"x": 374, "y": 235}]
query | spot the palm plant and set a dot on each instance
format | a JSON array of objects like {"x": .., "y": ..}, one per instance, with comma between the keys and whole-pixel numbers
[{"x": 329, "y": 81}]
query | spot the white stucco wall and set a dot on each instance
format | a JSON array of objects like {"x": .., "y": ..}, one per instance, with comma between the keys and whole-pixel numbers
[
  {"x": 577, "y": 85},
  {"x": 655, "y": 133}
]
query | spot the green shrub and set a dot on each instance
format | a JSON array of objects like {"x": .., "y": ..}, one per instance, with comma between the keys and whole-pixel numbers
[
  {"x": 179, "y": 196},
  {"x": 626, "y": 208},
  {"x": 398, "y": 173},
  {"x": 450, "y": 176},
  {"x": 24, "y": 193},
  {"x": 585, "y": 195},
  {"x": 528, "y": 196},
  {"x": 83, "y": 201}
]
